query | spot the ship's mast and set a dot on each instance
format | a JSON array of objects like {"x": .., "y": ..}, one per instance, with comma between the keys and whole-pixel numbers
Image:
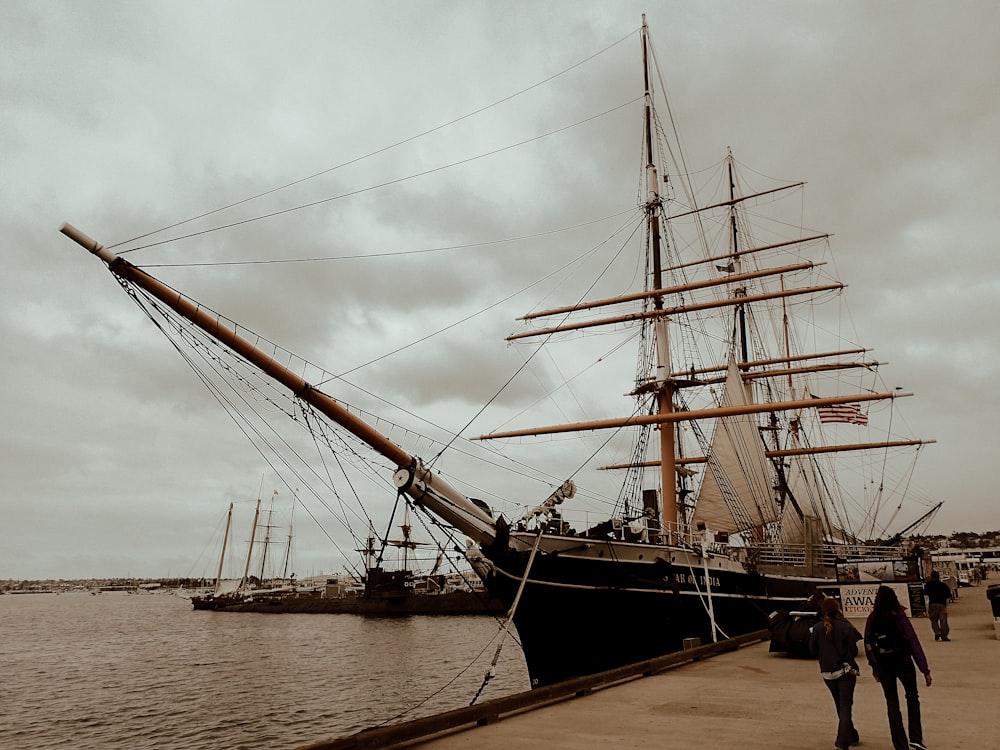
[
  {"x": 288, "y": 548},
  {"x": 225, "y": 542},
  {"x": 664, "y": 387},
  {"x": 253, "y": 536},
  {"x": 741, "y": 312},
  {"x": 267, "y": 535}
]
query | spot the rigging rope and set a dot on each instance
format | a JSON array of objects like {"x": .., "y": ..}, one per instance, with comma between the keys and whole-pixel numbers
[
  {"x": 387, "y": 183},
  {"x": 384, "y": 149},
  {"x": 505, "y": 630},
  {"x": 227, "y": 374},
  {"x": 395, "y": 253},
  {"x": 537, "y": 349}
]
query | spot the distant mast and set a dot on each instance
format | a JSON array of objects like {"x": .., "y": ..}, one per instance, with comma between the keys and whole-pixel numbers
[
  {"x": 664, "y": 385},
  {"x": 267, "y": 536},
  {"x": 222, "y": 556},
  {"x": 253, "y": 536},
  {"x": 288, "y": 547}
]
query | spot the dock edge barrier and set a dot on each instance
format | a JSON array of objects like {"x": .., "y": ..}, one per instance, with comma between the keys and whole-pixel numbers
[{"x": 493, "y": 711}]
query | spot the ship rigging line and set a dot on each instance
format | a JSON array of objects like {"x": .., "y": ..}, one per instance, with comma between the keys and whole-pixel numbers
[
  {"x": 704, "y": 599},
  {"x": 445, "y": 686},
  {"x": 373, "y": 395},
  {"x": 541, "y": 345},
  {"x": 466, "y": 319},
  {"x": 835, "y": 506},
  {"x": 449, "y": 532},
  {"x": 881, "y": 483},
  {"x": 382, "y": 150},
  {"x": 505, "y": 629},
  {"x": 336, "y": 456},
  {"x": 229, "y": 406},
  {"x": 684, "y": 174},
  {"x": 209, "y": 385},
  {"x": 393, "y": 253},
  {"x": 909, "y": 478},
  {"x": 387, "y": 183}
]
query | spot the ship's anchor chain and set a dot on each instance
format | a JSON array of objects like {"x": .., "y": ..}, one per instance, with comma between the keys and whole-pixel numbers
[{"x": 492, "y": 671}]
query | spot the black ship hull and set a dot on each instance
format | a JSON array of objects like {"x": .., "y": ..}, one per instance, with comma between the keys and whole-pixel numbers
[{"x": 582, "y": 612}]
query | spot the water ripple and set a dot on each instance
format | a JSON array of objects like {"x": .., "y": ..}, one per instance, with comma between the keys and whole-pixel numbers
[{"x": 145, "y": 671}]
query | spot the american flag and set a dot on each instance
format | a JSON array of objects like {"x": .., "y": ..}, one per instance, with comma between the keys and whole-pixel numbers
[{"x": 849, "y": 413}]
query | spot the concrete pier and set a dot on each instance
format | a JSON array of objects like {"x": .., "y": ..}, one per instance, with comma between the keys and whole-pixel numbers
[{"x": 751, "y": 699}]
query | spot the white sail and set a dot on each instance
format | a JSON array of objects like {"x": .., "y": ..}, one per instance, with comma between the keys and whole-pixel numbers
[
  {"x": 806, "y": 513},
  {"x": 736, "y": 492},
  {"x": 804, "y": 500}
]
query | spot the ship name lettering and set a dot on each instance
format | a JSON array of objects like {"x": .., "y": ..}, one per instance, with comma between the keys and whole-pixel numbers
[{"x": 698, "y": 580}]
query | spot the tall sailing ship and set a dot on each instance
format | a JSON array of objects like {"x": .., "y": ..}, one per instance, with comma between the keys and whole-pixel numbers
[{"x": 725, "y": 510}]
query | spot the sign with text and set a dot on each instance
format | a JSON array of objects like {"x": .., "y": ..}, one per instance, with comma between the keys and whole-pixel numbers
[{"x": 858, "y": 600}]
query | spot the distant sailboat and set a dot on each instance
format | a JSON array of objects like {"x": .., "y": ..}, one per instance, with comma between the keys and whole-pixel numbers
[{"x": 233, "y": 592}]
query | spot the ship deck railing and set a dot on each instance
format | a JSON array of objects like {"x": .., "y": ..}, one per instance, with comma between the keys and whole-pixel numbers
[
  {"x": 643, "y": 529},
  {"x": 824, "y": 555}
]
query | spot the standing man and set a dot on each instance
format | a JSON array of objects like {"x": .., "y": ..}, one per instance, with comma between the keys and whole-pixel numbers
[{"x": 938, "y": 594}]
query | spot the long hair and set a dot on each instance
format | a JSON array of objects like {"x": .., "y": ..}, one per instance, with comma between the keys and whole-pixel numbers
[
  {"x": 830, "y": 608},
  {"x": 886, "y": 603}
]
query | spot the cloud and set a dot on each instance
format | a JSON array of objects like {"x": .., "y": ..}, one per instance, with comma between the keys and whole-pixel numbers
[{"x": 128, "y": 118}]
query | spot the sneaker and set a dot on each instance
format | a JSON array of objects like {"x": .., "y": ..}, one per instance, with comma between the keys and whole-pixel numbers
[
  {"x": 937, "y": 637},
  {"x": 919, "y": 745},
  {"x": 945, "y": 638}
]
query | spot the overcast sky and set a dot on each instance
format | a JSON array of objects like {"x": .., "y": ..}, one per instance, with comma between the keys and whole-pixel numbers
[{"x": 125, "y": 117}]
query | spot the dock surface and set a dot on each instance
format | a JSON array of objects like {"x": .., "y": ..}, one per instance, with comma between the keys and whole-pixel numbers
[{"x": 752, "y": 699}]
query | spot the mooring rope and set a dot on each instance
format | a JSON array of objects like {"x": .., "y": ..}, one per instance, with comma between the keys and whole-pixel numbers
[{"x": 492, "y": 671}]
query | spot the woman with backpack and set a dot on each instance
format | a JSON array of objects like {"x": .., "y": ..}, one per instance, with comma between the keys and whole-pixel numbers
[
  {"x": 892, "y": 647},
  {"x": 835, "y": 641}
]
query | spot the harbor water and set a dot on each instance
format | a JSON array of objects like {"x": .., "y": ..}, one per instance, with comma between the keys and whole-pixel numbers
[{"x": 117, "y": 670}]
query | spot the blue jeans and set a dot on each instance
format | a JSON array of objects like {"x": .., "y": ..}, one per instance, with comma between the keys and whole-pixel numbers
[
  {"x": 906, "y": 673},
  {"x": 842, "y": 690}
]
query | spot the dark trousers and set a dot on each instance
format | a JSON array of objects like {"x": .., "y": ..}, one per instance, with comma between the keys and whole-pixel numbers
[
  {"x": 906, "y": 673},
  {"x": 842, "y": 690},
  {"x": 938, "y": 615}
]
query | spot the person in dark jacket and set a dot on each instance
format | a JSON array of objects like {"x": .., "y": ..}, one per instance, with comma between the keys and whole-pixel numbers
[
  {"x": 938, "y": 594},
  {"x": 835, "y": 641},
  {"x": 892, "y": 647}
]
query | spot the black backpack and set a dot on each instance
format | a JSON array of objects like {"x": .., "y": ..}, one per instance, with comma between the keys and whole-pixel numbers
[{"x": 886, "y": 640}]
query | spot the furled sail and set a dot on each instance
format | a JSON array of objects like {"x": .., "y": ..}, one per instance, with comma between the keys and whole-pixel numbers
[
  {"x": 804, "y": 499},
  {"x": 737, "y": 490},
  {"x": 807, "y": 507}
]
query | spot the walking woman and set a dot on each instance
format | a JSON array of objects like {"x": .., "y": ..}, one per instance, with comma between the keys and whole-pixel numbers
[
  {"x": 835, "y": 641},
  {"x": 892, "y": 648}
]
